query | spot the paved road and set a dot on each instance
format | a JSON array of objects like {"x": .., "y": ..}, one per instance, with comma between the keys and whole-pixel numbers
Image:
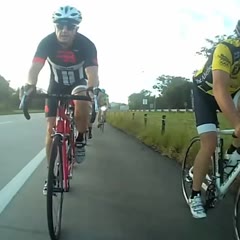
[{"x": 123, "y": 191}]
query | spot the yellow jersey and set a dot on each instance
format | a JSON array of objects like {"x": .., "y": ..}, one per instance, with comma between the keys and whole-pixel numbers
[{"x": 225, "y": 57}]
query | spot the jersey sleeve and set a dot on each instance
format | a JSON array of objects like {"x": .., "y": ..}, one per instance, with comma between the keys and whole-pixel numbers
[
  {"x": 91, "y": 55},
  {"x": 41, "y": 53},
  {"x": 222, "y": 58}
]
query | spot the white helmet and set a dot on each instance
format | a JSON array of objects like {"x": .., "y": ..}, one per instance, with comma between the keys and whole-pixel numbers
[{"x": 67, "y": 14}]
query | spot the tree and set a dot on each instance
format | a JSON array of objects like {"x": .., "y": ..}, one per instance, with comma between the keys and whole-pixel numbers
[
  {"x": 4, "y": 89},
  {"x": 14, "y": 99},
  {"x": 145, "y": 92},
  {"x": 161, "y": 103},
  {"x": 211, "y": 44},
  {"x": 5, "y": 92},
  {"x": 175, "y": 92},
  {"x": 135, "y": 100},
  {"x": 9, "y": 97},
  {"x": 38, "y": 103}
]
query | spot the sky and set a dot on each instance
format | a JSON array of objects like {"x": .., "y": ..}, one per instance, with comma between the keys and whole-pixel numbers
[{"x": 136, "y": 40}]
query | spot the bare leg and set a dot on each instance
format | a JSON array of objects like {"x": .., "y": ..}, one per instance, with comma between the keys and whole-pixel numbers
[{"x": 202, "y": 160}]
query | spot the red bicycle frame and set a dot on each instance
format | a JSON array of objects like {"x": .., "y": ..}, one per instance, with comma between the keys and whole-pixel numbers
[{"x": 63, "y": 127}]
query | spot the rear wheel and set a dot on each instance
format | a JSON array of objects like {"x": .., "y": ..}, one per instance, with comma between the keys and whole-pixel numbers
[
  {"x": 55, "y": 189},
  {"x": 208, "y": 188},
  {"x": 236, "y": 216}
]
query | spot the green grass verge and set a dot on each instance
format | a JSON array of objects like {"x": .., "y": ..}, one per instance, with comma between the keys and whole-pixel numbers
[{"x": 180, "y": 128}]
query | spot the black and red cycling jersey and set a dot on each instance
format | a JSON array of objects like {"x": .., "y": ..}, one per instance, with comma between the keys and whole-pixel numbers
[{"x": 67, "y": 66}]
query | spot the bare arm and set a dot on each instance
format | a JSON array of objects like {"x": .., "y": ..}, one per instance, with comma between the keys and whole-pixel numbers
[
  {"x": 92, "y": 76},
  {"x": 221, "y": 82},
  {"x": 34, "y": 72}
]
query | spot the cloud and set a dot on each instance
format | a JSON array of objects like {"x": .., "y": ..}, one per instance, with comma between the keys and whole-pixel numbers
[{"x": 136, "y": 41}]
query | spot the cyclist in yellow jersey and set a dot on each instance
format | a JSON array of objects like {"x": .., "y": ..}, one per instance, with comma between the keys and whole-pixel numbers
[{"x": 215, "y": 87}]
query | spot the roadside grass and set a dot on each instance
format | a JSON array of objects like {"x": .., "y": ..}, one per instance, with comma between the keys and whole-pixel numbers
[{"x": 179, "y": 130}]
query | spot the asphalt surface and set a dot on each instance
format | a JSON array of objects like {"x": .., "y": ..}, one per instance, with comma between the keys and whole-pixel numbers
[{"x": 123, "y": 191}]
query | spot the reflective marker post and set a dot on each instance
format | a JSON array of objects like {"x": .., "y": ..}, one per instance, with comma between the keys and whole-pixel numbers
[
  {"x": 163, "y": 124},
  {"x": 145, "y": 119}
]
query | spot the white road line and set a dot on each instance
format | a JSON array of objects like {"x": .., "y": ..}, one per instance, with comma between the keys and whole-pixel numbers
[
  {"x": 11, "y": 189},
  {"x": 5, "y": 122}
]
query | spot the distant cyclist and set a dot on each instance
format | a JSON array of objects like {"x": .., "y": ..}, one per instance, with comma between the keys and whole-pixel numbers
[{"x": 103, "y": 104}]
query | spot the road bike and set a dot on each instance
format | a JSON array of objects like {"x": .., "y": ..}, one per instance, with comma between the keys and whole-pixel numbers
[
  {"x": 220, "y": 176},
  {"x": 62, "y": 157},
  {"x": 102, "y": 119}
]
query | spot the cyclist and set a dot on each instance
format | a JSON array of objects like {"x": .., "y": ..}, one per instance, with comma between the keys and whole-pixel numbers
[
  {"x": 102, "y": 101},
  {"x": 72, "y": 58},
  {"x": 214, "y": 88}
]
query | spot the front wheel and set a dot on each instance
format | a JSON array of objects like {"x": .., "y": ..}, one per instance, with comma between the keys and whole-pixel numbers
[
  {"x": 187, "y": 172},
  {"x": 55, "y": 189}
]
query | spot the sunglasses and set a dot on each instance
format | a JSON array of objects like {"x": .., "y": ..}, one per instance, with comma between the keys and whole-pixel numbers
[{"x": 68, "y": 26}]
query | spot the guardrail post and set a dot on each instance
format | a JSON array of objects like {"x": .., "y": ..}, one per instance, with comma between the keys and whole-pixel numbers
[{"x": 163, "y": 124}]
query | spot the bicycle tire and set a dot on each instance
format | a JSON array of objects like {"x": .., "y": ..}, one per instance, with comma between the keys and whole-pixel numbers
[
  {"x": 186, "y": 179},
  {"x": 56, "y": 150},
  {"x": 236, "y": 215}
]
